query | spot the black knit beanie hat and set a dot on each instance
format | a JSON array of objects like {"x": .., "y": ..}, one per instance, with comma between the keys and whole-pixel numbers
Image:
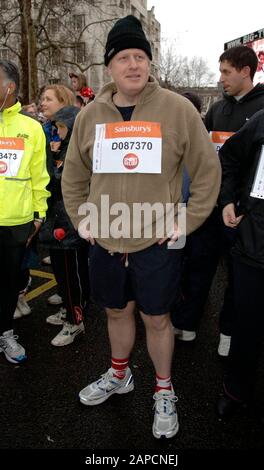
[{"x": 127, "y": 33}]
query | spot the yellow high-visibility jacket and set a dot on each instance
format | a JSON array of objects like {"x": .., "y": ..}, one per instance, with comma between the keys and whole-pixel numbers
[{"x": 25, "y": 193}]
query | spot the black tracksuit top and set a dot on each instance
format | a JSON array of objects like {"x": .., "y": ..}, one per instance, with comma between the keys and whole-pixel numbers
[
  {"x": 229, "y": 114},
  {"x": 240, "y": 156}
]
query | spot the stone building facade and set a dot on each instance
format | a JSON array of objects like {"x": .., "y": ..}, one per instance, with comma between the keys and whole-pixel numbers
[{"x": 71, "y": 35}]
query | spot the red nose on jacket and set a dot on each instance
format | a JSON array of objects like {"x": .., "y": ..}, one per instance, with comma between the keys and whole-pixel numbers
[{"x": 59, "y": 233}]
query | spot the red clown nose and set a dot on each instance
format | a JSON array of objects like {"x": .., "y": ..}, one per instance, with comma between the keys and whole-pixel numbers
[{"x": 59, "y": 233}]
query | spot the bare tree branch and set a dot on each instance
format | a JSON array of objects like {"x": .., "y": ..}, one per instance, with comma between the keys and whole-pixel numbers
[
  {"x": 179, "y": 71},
  {"x": 26, "y": 30},
  {"x": 93, "y": 23}
]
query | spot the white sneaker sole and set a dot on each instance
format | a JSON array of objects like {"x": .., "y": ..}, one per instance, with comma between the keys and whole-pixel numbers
[
  {"x": 67, "y": 339},
  {"x": 56, "y": 323},
  {"x": 223, "y": 352},
  {"x": 55, "y": 302},
  {"x": 168, "y": 435},
  {"x": 13, "y": 361},
  {"x": 224, "y": 346},
  {"x": 21, "y": 315},
  {"x": 184, "y": 336},
  {"x": 97, "y": 401}
]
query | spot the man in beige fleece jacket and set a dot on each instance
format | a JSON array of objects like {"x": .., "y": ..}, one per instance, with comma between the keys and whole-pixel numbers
[{"x": 122, "y": 179}]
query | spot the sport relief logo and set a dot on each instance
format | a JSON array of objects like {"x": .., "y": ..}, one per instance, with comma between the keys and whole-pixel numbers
[
  {"x": 130, "y": 161},
  {"x": 3, "y": 167}
]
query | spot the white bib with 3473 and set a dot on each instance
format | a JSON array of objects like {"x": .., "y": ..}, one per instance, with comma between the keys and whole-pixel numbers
[{"x": 11, "y": 154}]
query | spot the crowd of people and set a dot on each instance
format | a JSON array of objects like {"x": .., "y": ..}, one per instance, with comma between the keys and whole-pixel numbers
[{"x": 137, "y": 197}]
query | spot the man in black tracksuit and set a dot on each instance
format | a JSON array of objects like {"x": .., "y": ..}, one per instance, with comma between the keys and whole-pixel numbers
[
  {"x": 240, "y": 101},
  {"x": 242, "y": 200}
]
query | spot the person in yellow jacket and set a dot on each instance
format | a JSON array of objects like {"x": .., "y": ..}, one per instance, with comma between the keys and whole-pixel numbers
[{"x": 23, "y": 199}]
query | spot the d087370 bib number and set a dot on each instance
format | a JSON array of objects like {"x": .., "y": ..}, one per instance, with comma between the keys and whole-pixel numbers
[{"x": 132, "y": 145}]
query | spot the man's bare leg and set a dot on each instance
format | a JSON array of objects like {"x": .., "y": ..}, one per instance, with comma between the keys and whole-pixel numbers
[
  {"x": 160, "y": 342},
  {"x": 121, "y": 330}
]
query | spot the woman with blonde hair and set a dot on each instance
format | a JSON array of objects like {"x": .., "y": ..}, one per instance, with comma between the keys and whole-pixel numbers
[
  {"x": 63, "y": 94},
  {"x": 54, "y": 98}
]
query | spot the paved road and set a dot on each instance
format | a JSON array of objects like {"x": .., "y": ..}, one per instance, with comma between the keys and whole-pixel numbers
[{"x": 39, "y": 400}]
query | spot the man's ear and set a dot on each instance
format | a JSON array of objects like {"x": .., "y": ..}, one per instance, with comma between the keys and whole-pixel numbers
[
  {"x": 109, "y": 70},
  {"x": 246, "y": 71},
  {"x": 11, "y": 88}
]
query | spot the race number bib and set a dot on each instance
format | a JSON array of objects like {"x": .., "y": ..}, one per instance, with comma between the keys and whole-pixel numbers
[
  {"x": 127, "y": 147},
  {"x": 219, "y": 137},
  {"x": 11, "y": 154},
  {"x": 258, "y": 185}
]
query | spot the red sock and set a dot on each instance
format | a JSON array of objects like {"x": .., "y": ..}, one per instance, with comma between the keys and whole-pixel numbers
[
  {"x": 163, "y": 383},
  {"x": 120, "y": 366}
]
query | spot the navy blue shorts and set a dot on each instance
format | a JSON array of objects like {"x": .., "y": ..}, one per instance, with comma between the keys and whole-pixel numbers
[{"x": 152, "y": 278}]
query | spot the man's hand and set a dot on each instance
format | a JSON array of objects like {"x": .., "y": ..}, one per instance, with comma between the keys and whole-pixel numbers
[
  {"x": 84, "y": 233},
  {"x": 172, "y": 238},
  {"x": 55, "y": 146},
  {"x": 37, "y": 228},
  {"x": 229, "y": 216},
  {"x": 90, "y": 239}
]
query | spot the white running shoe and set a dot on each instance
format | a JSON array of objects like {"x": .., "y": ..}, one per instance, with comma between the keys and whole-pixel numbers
[
  {"x": 98, "y": 391},
  {"x": 184, "y": 335},
  {"x": 22, "y": 308},
  {"x": 55, "y": 299},
  {"x": 224, "y": 345},
  {"x": 57, "y": 318},
  {"x": 28, "y": 285},
  {"x": 165, "y": 422},
  {"x": 12, "y": 350},
  {"x": 68, "y": 334}
]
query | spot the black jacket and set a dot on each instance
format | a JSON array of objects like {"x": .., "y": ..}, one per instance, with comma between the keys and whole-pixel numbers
[
  {"x": 239, "y": 158},
  {"x": 230, "y": 115}
]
